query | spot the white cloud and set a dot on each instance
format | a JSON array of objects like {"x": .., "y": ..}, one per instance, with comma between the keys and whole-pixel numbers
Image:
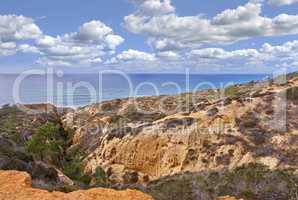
[
  {"x": 268, "y": 56},
  {"x": 172, "y": 32},
  {"x": 7, "y": 48},
  {"x": 177, "y": 41},
  {"x": 87, "y": 46},
  {"x": 132, "y": 55},
  {"x": 241, "y": 14},
  {"x": 154, "y": 7},
  {"x": 218, "y": 53},
  {"x": 282, "y": 2},
  {"x": 46, "y": 41},
  {"x": 14, "y": 30},
  {"x": 139, "y": 61},
  {"x": 13, "y": 27},
  {"x": 286, "y": 48},
  {"x": 92, "y": 31},
  {"x": 113, "y": 41},
  {"x": 25, "y": 48},
  {"x": 135, "y": 55},
  {"x": 169, "y": 55},
  {"x": 93, "y": 41}
]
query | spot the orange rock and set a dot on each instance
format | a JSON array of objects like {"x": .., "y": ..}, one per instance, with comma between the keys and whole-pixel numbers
[
  {"x": 227, "y": 198},
  {"x": 16, "y": 185}
]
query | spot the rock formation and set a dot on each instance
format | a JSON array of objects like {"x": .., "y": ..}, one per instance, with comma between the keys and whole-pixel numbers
[
  {"x": 153, "y": 137},
  {"x": 17, "y": 186},
  {"x": 238, "y": 141}
]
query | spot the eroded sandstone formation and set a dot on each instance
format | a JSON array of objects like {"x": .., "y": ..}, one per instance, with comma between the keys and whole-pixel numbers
[
  {"x": 17, "y": 186},
  {"x": 239, "y": 141},
  {"x": 144, "y": 139}
]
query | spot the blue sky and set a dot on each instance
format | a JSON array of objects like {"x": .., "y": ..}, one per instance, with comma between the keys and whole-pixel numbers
[{"x": 149, "y": 35}]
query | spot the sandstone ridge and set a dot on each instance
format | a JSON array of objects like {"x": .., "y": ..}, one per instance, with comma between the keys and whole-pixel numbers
[{"x": 16, "y": 185}]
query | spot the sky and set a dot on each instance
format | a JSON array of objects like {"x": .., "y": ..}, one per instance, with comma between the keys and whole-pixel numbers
[{"x": 146, "y": 36}]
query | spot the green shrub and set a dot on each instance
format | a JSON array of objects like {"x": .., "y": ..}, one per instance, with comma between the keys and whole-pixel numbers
[
  {"x": 100, "y": 176},
  {"x": 73, "y": 168},
  {"x": 8, "y": 124},
  {"x": 46, "y": 141}
]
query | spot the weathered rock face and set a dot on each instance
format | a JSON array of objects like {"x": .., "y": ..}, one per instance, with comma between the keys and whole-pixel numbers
[
  {"x": 144, "y": 139},
  {"x": 17, "y": 186},
  {"x": 190, "y": 146}
]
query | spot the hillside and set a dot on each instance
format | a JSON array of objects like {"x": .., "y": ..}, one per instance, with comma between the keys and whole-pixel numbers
[{"x": 241, "y": 141}]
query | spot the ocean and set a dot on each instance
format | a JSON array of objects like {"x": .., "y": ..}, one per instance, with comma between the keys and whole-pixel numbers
[{"x": 74, "y": 90}]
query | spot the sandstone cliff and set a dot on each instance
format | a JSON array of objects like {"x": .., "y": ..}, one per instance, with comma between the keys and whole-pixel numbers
[
  {"x": 17, "y": 186},
  {"x": 143, "y": 139},
  {"x": 238, "y": 131},
  {"x": 239, "y": 141}
]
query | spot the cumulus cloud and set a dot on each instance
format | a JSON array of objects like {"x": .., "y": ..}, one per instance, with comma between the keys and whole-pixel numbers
[
  {"x": 139, "y": 61},
  {"x": 14, "y": 30},
  {"x": 171, "y": 32},
  {"x": 154, "y": 7},
  {"x": 219, "y": 53},
  {"x": 169, "y": 55},
  {"x": 177, "y": 41},
  {"x": 92, "y": 31},
  {"x": 85, "y": 47},
  {"x": 282, "y": 2},
  {"x": 241, "y": 14},
  {"x": 7, "y": 48},
  {"x": 269, "y": 56},
  {"x": 26, "y": 48},
  {"x": 132, "y": 55}
]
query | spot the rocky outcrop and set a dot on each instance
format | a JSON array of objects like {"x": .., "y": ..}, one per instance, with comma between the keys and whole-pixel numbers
[
  {"x": 17, "y": 186},
  {"x": 141, "y": 140},
  {"x": 187, "y": 146}
]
